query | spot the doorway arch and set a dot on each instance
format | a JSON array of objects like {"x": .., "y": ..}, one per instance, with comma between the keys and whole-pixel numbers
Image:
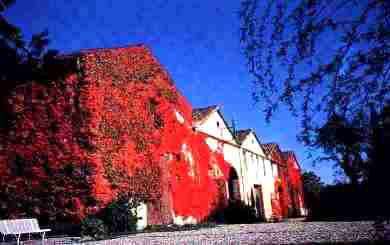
[{"x": 234, "y": 185}]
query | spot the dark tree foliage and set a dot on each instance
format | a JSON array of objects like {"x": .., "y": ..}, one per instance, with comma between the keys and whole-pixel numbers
[
  {"x": 345, "y": 144},
  {"x": 329, "y": 63},
  {"x": 344, "y": 202},
  {"x": 357, "y": 147},
  {"x": 21, "y": 61},
  {"x": 312, "y": 186},
  {"x": 319, "y": 58},
  {"x": 336, "y": 202},
  {"x": 379, "y": 164}
]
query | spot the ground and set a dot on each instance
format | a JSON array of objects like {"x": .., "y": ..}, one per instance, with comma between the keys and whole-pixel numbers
[{"x": 265, "y": 233}]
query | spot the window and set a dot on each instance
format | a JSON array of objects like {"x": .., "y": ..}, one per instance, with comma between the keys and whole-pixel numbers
[{"x": 217, "y": 124}]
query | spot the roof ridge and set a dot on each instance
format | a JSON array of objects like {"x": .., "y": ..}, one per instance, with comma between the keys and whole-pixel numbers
[
  {"x": 241, "y": 134},
  {"x": 91, "y": 50},
  {"x": 139, "y": 45},
  {"x": 199, "y": 114},
  {"x": 205, "y": 107}
]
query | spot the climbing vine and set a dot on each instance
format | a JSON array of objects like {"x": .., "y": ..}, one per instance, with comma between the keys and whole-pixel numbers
[{"x": 100, "y": 132}]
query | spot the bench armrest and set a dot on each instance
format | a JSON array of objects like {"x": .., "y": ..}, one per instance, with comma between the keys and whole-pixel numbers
[{"x": 45, "y": 230}]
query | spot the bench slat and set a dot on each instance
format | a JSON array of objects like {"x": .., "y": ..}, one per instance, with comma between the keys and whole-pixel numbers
[
  {"x": 20, "y": 226},
  {"x": 3, "y": 227}
]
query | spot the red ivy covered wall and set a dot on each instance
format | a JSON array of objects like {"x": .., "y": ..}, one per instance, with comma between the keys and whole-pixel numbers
[
  {"x": 296, "y": 185},
  {"x": 282, "y": 200},
  {"x": 113, "y": 124}
]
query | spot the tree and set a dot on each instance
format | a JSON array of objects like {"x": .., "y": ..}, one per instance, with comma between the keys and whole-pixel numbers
[
  {"x": 21, "y": 61},
  {"x": 344, "y": 143},
  {"x": 321, "y": 59},
  {"x": 318, "y": 57},
  {"x": 380, "y": 162},
  {"x": 312, "y": 186}
]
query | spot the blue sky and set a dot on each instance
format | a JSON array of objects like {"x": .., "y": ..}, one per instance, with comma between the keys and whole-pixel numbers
[{"x": 196, "y": 41}]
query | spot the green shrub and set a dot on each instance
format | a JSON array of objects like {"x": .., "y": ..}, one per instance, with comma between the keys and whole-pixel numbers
[
  {"x": 237, "y": 212},
  {"x": 119, "y": 217},
  {"x": 93, "y": 227}
]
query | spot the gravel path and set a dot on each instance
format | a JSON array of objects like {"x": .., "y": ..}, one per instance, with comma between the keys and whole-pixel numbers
[
  {"x": 266, "y": 233},
  {"x": 271, "y": 233}
]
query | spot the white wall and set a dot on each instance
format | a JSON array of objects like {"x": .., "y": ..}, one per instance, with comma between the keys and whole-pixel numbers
[
  {"x": 249, "y": 160},
  {"x": 142, "y": 214},
  {"x": 251, "y": 143},
  {"x": 215, "y": 126},
  {"x": 259, "y": 172}
]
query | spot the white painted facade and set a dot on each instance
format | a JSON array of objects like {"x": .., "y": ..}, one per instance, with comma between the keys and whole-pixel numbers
[
  {"x": 259, "y": 172},
  {"x": 214, "y": 125},
  {"x": 141, "y": 213},
  {"x": 248, "y": 158},
  {"x": 217, "y": 129}
]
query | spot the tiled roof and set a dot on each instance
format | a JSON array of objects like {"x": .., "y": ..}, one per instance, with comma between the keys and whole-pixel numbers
[
  {"x": 242, "y": 134},
  {"x": 288, "y": 154},
  {"x": 198, "y": 114},
  {"x": 270, "y": 147}
]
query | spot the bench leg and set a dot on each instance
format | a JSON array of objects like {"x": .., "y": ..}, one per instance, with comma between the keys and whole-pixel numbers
[
  {"x": 3, "y": 237},
  {"x": 43, "y": 238},
  {"x": 18, "y": 238}
]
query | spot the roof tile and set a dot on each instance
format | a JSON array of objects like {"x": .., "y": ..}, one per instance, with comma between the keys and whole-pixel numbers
[{"x": 198, "y": 114}]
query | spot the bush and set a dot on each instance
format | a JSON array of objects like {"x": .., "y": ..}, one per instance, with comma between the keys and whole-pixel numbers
[
  {"x": 119, "y": 217},
  {"x": 65, "y": 229},
  {"x": 237, "y": 212},
  {"x": 93, "y": 227}
]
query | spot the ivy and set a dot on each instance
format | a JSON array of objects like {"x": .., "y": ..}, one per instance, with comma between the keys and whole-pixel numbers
[{"x": 101, "y": 132}]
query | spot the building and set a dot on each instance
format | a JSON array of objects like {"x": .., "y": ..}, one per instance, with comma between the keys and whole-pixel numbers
[
  {"x": 111, "y": 123},
  {"x": 295, "y": 185},
  {"x": 262, "y": 176},
  {"x": 259, "y": 174}
]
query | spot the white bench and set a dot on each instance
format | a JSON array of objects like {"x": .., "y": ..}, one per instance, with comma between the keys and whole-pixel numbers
[{"x": 17, "y": 227}]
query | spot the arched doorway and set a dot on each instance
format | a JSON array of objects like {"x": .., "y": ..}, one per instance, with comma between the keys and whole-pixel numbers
[
  {"x": 234, "y": 185},
  {"x": 259, "y": 202}
]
